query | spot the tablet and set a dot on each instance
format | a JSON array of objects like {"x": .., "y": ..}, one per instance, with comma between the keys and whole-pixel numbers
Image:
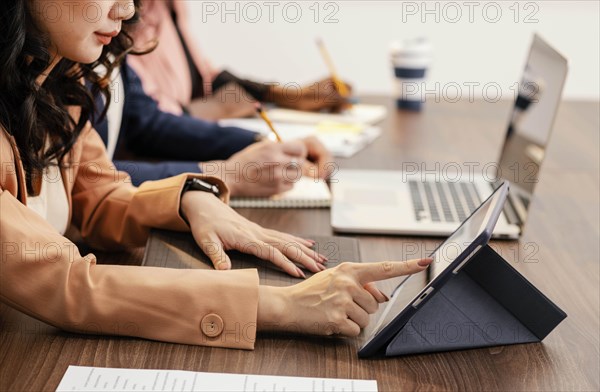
[{"x": 448, "y": 259}]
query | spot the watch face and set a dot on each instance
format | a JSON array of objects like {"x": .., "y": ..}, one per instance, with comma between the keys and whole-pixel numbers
[{"x": 199, "y": 185}]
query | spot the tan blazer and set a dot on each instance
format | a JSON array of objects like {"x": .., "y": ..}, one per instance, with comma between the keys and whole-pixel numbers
[{"x": 43, "y": 274}]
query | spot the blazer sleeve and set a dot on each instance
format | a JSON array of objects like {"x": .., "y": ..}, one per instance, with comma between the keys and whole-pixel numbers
[
  {"x": 113, "y": 214},
  {"x": 43, "y": 274},
  {"x": 151, "y": 132}
]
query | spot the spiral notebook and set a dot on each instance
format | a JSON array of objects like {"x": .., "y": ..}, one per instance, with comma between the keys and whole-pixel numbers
[{"x": 307, "y": 193}]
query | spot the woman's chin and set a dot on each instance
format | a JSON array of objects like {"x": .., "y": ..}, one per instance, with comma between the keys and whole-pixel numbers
[
  {"x": 87, "y": 57},
  {"x": 92, "y": 58}
]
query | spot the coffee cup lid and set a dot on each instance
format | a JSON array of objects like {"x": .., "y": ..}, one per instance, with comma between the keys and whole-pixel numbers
[{"x": 411, "y": 47}]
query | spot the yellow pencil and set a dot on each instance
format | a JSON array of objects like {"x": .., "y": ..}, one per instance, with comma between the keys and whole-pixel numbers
[
  {"x": 263, "y": 115},
  {"x": 339, "y": 84}
]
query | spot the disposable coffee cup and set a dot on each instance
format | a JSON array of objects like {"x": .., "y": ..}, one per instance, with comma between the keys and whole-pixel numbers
[{"x": 410, "y": 60}]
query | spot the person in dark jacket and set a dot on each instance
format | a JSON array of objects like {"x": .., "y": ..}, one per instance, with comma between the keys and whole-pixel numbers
[{"x": 166, "y": 144}]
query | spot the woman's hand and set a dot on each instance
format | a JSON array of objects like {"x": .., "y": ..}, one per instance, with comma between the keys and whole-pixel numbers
[
  {"x": 217, "y": 228},
  {"x": 267, "y": 168},
  {"x": 262, "y": 169},
  {"x": 336, "y": 301},
  {"x": 320, "y": 163},
  {"x": 321, "y": 95}
]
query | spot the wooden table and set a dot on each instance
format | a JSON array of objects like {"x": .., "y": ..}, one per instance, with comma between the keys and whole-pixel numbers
[{"x": 559, "y": 253}]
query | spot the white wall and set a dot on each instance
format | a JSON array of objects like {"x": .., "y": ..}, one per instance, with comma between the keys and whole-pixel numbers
[{"x": 279, "y": 46}]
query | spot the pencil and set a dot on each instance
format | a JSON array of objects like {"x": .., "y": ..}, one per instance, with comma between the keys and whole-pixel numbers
[
  {"x": 340, "y": 86},
  {"x": 263, "y": 115}
]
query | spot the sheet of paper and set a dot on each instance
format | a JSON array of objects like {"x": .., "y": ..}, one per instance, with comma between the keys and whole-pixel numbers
[
  {"x": 87, "y": 379},
  {"x": 359, "y": 113},
  {"x": 341, "y": 139}
]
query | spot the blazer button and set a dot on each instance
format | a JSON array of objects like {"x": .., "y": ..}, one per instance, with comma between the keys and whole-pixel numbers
[{"x": 211, "y": 325}]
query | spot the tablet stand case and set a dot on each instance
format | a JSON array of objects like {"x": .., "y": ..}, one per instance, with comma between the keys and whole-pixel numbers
[{"x": 487, "y": 303}]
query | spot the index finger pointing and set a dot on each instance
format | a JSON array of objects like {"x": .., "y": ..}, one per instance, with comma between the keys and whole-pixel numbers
[{"x": 373, "y": 272}]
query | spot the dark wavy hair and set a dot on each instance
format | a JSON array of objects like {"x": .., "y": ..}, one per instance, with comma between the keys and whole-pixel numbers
[{"x": 34, "y": 113}]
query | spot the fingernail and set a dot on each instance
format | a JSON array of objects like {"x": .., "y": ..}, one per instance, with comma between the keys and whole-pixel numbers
[
  {"x": 321, "y": 267},
  {"x": 384, "y": 296},
  {"x": 222, "y": 266},
  {"x": 424, "y": 262},
  {"x": 301, "y": 273}
]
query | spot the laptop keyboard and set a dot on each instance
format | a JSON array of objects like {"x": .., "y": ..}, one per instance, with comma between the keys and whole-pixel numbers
[{"x": 443, "y": 201}]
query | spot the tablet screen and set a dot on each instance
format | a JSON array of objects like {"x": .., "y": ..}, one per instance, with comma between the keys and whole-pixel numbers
[{"x": 443, "y": 257}]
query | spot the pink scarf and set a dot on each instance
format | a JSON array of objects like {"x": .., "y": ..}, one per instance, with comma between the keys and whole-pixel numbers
[{"x": 164, "y": 72}]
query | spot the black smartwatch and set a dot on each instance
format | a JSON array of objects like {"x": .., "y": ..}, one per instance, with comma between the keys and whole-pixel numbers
[{"x": 196, "y": 184}]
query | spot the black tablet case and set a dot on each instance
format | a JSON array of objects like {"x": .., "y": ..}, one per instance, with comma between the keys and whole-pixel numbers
[
  {"x": 170, "y": 249},
  {"x": 487, "y": 303}
]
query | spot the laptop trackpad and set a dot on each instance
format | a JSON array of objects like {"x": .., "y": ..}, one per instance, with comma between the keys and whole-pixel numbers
[{"x": 364, "y": 196}]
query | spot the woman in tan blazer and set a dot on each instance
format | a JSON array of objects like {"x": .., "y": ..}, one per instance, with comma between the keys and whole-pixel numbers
[{"x": 55, "y": 171}]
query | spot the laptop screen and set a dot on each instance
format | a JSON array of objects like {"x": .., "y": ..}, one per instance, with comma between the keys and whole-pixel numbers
[{"x": 531, "y": 120}]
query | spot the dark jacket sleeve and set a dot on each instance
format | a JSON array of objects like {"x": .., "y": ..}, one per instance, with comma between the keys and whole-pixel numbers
[
  {"x": 259, "y": 91},
  {"x": 148, "y": 131},
  {"x": 140, "y": 171}
]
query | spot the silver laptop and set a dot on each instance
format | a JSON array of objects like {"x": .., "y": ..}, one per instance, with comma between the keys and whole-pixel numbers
[{"x": 395, "y": 202}]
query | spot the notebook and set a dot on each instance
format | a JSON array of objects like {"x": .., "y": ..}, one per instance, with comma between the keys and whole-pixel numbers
[
  {"x": 359, "y": 113},
  {"x": 306, "y": 193},
  {"x": 169, "y": 249},
  {"x": 342, "y": 139}
]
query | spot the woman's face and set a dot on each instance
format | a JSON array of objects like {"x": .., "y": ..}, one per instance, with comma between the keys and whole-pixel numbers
[{"x": 79, "y": 29}]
